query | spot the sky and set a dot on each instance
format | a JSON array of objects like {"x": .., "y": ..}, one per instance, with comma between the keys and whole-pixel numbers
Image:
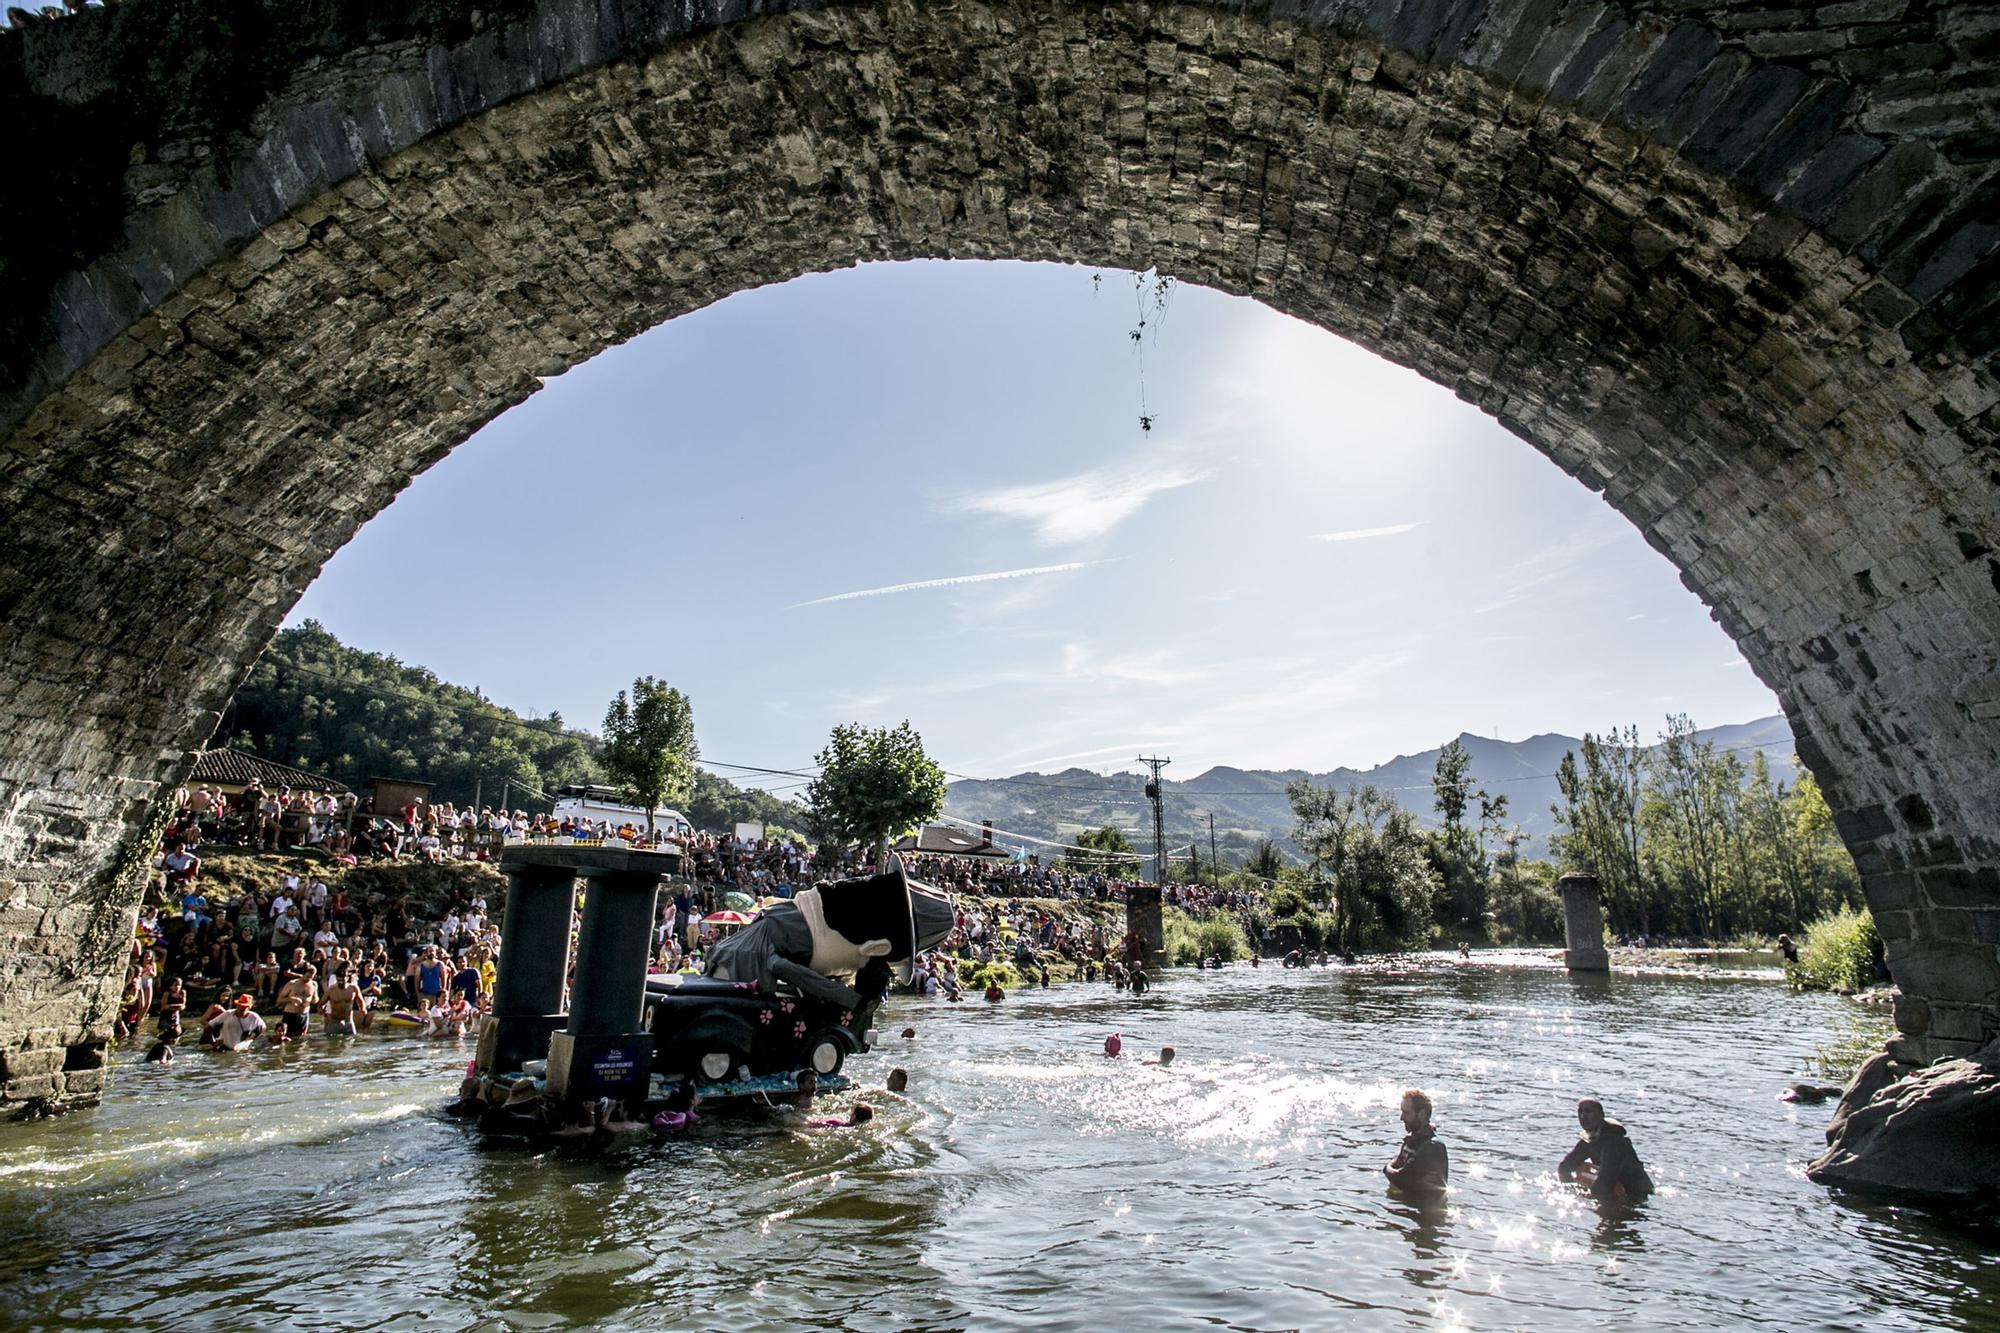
[{"x": 922, "y": 491}]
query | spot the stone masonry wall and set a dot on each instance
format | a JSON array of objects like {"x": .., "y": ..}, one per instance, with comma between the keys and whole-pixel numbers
[{"x": 1730, "y": 266}]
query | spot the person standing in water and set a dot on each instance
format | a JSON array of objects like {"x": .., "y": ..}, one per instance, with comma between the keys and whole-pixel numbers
[
  {"x": 1422, "y": 1164},
  {"x": 1604, "y": 1160}
]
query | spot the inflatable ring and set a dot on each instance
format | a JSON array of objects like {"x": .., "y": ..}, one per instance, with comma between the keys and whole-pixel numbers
[{"x": 403, "y": 1018}]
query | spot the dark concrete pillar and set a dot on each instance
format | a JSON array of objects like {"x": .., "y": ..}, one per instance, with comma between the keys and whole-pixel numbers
[
  {"x": 1145, "y": 915},
  {"x": 612, "y": 951},
  {"x": 1583, "y": 924},
  {"x": 604, "y": 1051},
  {"x": 534, "y": 962}
]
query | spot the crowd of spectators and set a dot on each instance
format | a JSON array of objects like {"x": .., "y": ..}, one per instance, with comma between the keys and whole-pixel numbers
[
  {"x": 301, "y": 950},
  {"x": 348, "y": 828},
  {"x": 307, "y": 952}
]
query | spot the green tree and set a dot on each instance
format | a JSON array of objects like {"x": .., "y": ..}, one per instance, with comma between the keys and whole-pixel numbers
[
  {"x": 720, "y": 805},
  {"x": 1599, "y": 822},
  {"x": 1831, "y": 877},
  {"x": 1764, "y": 813},
  {"x": 649, "y": 746},
  {"x": 1457, "y": 852},
  {"x": 1686, "y": 815},
  {"x": 1101, "y": 851},
  {"x": 314, "y": 702},
  {"x": 1375, "y": 858},
  {"x": 1526, "y": 908},
  {"x": 875, "y": 783},
  {"x": 1265, "y": 860}
]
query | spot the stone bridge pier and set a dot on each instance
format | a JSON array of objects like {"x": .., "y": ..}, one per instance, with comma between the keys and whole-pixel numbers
[{"x": 263, "y": 261}]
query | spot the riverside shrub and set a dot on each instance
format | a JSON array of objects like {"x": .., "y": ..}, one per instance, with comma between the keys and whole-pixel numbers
[
  {"x": 1837, "y": 954},
  {"x": 1190, "y": 941}
]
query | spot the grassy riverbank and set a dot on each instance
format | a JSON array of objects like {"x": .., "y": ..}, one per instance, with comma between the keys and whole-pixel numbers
[{"x": 227, "y": 876}]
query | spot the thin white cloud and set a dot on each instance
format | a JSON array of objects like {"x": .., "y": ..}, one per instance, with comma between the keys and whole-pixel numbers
[
  {"x": 1083, "y": 506},
  {"x": 1362, "y": 534},
  {"x": 1541, "y": 568},
  {"x": 956, "y": 581}
]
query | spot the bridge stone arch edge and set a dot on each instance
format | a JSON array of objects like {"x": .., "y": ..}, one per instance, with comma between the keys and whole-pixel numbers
[
  {"x": 1792, "y": 132},
  {"x": 1563, "y": 438}
]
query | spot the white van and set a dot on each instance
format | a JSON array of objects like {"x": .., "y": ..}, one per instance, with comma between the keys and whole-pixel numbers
[{"x": 600, "y": 805}]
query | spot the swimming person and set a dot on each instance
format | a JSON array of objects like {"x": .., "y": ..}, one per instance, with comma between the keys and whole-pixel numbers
[
  {"x": 1603, "y": 1159},
  {"x": 680, "y": 1110},
  {"x": 1166, "y": 1057},
  {"x": 1113, "y": 1044},
  {"x": 1422, "y": 1164},
  {"x": 860, "y": 1115}
]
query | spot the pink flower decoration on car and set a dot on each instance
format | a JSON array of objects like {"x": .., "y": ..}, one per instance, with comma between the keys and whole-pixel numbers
[
  {"x": 799, "y": 1029},
  {"x": 785, "y": 1007},
  {"x": 846, "y": 1017},
  {"x": 765, "y": 1018}
]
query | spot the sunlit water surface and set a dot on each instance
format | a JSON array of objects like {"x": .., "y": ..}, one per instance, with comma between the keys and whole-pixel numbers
[{"x": 1026, "y": 1182}]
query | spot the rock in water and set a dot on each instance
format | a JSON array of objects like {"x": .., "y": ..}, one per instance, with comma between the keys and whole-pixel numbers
[{"x": 1932, "y": 1134}]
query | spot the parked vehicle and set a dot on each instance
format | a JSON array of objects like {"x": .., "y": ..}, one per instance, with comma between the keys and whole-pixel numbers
[{"x": 601, "y": 805}]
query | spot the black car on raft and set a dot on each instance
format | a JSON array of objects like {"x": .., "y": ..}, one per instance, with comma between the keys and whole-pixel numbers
[
  {"x": 712, "y": 1032},
  {"x": 796, "y": 989}
]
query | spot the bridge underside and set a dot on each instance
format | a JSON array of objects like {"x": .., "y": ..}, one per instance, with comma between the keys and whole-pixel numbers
[{"x": 1696, "y": 279}]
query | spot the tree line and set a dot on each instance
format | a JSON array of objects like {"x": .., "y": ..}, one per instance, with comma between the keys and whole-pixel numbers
[
  {"x": 1687, "y": 841},
  {"x": 318, "y": 704}
]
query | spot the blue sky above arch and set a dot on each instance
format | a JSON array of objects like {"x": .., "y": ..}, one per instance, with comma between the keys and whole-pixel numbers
[{"x": 921, "y": 490}]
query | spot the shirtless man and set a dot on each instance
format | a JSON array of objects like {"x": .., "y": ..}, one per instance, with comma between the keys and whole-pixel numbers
[
  {"x": 296, "y": 1001},
  {"x": 346, "y": 1006}
]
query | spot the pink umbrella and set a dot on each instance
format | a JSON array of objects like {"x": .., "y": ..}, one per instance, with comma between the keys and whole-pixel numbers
[{"x": 726, "y": 919}]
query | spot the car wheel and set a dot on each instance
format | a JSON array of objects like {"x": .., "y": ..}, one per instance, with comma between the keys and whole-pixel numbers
[{"x": 825, "y": 1054}]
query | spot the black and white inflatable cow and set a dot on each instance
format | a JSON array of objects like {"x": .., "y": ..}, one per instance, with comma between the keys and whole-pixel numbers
[{"x": 824, "y": 937}]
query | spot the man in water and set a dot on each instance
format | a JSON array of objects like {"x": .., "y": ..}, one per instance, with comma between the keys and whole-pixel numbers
[
  {"x": 1422, "y": 1165},
  {"x": 297, "y": 999},
  {"x": 239, "y": 1027},
  {"x": 1603, "y": 1159},
  {"x": 345, "y": 1005}
]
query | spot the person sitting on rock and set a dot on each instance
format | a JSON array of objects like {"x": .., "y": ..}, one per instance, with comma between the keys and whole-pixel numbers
[
  {"x": 1421, "y": 1165},
  {"x": 1603, "y": 1160}
]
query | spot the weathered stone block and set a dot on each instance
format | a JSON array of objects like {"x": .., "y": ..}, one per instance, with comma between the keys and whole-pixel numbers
[{"x": 1913, "y": 1014}]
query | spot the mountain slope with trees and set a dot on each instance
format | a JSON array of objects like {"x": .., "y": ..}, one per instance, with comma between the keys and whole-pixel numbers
[
  {"x": 1251, "y": 804},
  {"x": 316, "y": 703}
]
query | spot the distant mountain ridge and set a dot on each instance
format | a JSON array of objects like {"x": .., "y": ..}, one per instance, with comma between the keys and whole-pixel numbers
[{"x": 1249, "y": 803}]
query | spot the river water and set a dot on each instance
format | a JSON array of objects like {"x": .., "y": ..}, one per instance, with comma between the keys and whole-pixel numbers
[{"x": 1025, "y": 1182}]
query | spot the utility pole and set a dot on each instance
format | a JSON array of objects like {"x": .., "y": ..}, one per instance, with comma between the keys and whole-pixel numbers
[
  {"x": 1214, "y": 863},
  {"x": 1157, "y": 797}
]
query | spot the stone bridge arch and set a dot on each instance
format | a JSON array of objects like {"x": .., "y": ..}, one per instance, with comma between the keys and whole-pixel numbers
[{"x": 272, "y": 260}]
